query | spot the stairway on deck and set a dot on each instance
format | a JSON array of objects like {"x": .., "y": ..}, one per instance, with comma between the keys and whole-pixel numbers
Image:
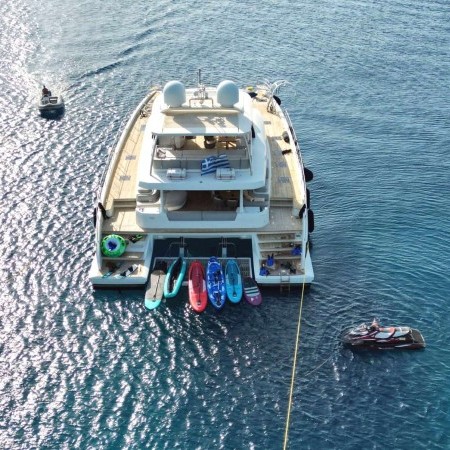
[
  {"x": 280, "y": 244},
  {"x": 281, "y": 202}
]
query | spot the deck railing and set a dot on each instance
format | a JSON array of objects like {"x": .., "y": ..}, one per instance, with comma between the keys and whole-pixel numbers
[
  {"x": 168, "y": 158},
  {"x": 118, "y": 145},
  {"x": 113, "y": 157},
  {"x": 302, "y": 174}
]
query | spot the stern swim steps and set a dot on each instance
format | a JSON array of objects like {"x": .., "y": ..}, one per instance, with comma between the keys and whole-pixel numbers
[{"x": 280, "y": 246}]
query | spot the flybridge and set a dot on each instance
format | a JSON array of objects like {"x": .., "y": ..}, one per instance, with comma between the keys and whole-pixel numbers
[
  {"x": 181, "y": 139},
  {"x": 214, "y": 122},
  {"x": 224, "y": 111}
]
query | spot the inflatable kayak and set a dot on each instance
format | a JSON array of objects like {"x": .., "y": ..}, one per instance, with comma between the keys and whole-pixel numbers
[
  {"x": 198, "y": 296},
  {"x": 215, "y": 283},
  {"x": 233, "y": 281},
  {"x": 174, "y": 278}
]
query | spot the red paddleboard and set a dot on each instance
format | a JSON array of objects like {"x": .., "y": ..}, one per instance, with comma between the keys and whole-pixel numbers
[{"x": 198, "y": 296}]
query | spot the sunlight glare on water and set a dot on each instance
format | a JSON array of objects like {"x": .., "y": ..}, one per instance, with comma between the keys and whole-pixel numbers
[{"x": 369, "y": 101}]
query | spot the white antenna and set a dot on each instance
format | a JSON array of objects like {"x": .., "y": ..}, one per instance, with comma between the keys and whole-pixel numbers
[{"x": 201, "y": 93}]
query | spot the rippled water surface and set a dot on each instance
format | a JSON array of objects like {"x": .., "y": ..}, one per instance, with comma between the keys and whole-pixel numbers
[{"x": 370, "y": 103}]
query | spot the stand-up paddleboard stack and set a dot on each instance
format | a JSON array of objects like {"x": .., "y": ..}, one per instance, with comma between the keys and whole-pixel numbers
[
  {"x": 174, "y": 278},
  {"x": 198, "y": 295},
  {"x": 233, "y": 281},
  {"x": 155, "y": 288},
  {"x": 215, "y": 283}
]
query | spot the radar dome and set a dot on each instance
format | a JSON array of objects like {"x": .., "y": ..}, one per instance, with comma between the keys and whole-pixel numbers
[
  {"x": 174, "y": 94},
  {"x": 227, "y": 93}
]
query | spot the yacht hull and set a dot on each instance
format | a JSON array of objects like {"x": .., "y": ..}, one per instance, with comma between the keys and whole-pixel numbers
[{"x": 207, "y": 163}]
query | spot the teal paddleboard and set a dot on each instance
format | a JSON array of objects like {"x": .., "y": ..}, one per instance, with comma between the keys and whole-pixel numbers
[
  {"x": 155, "y": 287},
  {"x": 233, "y": 281},
  {"x": 174, "y": 278}
]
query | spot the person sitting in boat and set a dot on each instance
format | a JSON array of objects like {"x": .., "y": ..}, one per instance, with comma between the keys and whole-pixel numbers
[
  {"x": 46, "y": 92},
  {"x": 374, "y": 326}
]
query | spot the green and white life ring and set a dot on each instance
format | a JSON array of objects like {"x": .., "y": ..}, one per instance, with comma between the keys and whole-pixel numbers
[{"x": 113, "y": 245}]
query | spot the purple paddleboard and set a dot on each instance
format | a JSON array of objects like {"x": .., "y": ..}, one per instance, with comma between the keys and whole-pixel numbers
[{"x": 251, "y": 292}]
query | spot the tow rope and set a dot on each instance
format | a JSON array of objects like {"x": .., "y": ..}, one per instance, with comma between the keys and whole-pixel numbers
[{"x": 294, "y": 365}]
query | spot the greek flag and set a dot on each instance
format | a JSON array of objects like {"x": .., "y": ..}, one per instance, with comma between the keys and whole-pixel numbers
[{"x": 212, "y": 163}]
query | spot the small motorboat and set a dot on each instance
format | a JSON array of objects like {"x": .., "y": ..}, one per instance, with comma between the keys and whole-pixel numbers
[
  {"x": 50, "y": 104},
  {"x": 375, "y": 337}
]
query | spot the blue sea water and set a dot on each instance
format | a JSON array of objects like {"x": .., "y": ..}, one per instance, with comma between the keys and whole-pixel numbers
[{"x": 369, "y": 99}]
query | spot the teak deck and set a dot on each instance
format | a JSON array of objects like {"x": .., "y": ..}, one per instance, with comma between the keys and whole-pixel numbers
[{"x": 284, "y": 195}]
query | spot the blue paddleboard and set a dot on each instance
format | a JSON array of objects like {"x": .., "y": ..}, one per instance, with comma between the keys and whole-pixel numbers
[
  {"x": 215, "y": 283},
  {"x": 233, "y": 281}
]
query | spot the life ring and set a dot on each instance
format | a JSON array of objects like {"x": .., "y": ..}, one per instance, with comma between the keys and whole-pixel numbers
[{"x": 113, "y": 245}]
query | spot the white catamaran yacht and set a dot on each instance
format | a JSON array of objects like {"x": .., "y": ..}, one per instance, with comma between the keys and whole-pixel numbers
[{"x": 204, "y": 166}]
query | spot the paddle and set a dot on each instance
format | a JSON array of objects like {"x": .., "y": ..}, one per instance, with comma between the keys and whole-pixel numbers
[
  {"x": 233, "y": 280},
  {"x": 154, "y": 299},
  {"x": 198, "y": 283}
]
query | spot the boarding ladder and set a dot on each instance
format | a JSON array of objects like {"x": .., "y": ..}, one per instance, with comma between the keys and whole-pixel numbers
[{"x": 285, "y": 280}]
